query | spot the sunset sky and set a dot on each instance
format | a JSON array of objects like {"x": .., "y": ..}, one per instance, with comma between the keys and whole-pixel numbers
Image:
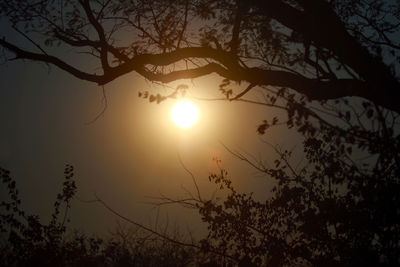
[
  {"x": 199, "y": 133},
  {"x": 130, "y": 152}
]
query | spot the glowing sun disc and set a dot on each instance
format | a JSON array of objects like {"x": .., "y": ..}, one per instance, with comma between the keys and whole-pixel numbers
[{"x": 184, "y": 114}]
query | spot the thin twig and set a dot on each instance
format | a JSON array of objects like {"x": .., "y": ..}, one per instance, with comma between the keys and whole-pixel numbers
[
  {"x": 191, "y": 175},
  {"x": 105, "y": 105}
]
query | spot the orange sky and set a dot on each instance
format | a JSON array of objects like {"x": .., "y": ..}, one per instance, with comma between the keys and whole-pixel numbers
[{"x": 127, "y": 154}]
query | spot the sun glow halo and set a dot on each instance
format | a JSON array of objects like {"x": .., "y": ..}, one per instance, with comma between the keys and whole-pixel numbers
[{"x": 184, "y": 114}]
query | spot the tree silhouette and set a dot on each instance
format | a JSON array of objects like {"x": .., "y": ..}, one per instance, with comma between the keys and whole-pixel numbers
[
  {"x": 26, "y": 241},
  {"x": 330, "y": 212},
  {"x": 333, "y": 66},
  {"x": 322, "y": 49}
]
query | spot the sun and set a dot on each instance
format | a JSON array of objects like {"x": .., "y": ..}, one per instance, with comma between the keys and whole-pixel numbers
[{"x": 184, "y": 114}]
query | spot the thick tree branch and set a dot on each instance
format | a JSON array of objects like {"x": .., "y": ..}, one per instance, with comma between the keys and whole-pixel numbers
[
  {"x": 235, "y": 41},
  {"x": 319, "y": 23},
  {"x": 314, "y": 89}
]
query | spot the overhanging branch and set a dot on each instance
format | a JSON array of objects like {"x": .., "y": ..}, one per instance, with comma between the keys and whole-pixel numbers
[{"x": 225, "y": 66}]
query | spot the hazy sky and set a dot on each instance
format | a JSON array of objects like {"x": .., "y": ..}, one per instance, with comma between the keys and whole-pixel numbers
[{"x": 127, "y": 154}]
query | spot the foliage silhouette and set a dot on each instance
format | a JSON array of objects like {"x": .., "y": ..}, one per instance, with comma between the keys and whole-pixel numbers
[
  {"x": 26, "y": 241},
  {"x": 331, "y": 211}
]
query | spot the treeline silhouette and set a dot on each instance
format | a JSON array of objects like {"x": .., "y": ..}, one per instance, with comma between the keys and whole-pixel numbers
[{"x": 27, "y": 241}]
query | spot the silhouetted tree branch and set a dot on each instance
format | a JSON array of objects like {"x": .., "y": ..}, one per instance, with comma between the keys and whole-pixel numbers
[{"x": 299, "y": 36}]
